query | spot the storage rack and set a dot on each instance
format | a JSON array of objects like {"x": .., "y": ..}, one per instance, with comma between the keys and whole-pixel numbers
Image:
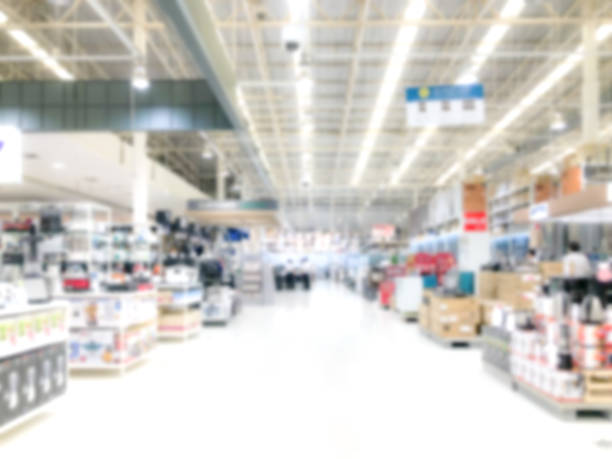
[
  {"x": 111, "y": 331},
  {"x": 33, "y": 342},
  {"x": 180, "y": 311},
  {"x": 252, "y": 278},
  {"x": 502, "y": 205}
]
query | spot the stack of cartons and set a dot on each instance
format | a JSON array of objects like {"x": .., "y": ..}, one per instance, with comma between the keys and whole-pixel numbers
[
  {"x": 487, "y": 285},
  {"x": 518, "y": 289},
  {"x": 454, "y": 318},
  {"x": 424, "y": 310},
  {"x": 550, "y": 269}
]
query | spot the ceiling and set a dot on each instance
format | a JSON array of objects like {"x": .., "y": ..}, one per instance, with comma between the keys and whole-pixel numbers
[{"x": 315, "y": 147}]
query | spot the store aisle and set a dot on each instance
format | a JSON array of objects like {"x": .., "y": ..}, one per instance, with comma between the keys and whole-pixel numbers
[{"x": 320, "y": 374}]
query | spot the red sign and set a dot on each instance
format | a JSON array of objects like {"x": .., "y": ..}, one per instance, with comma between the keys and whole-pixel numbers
[
  {"x": 475, "y": 222},
  {"x": 383, "y": 232}
]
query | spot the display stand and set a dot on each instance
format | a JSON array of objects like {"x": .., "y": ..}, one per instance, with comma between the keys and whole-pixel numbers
[
  {"x": 180, "y": 311},
  {"x": 111, "y": 331},
  {"x": 33, "y": 361}
]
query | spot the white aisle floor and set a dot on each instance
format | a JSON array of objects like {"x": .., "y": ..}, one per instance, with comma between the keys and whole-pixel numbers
[{"x": 320, "y": 374}]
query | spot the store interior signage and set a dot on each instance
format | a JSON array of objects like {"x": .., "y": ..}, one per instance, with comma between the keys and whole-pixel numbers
[{"x": 445, "y": 105}]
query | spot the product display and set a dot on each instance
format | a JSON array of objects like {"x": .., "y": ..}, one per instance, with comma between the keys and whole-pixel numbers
[
  {"x": 180, "y": 314},
  {"x": 111, "y": 331},
  {"x": 33, "y": 363}
]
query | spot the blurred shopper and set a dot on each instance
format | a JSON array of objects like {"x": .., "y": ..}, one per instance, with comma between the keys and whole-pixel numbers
[{"x": 576, "y": 263}]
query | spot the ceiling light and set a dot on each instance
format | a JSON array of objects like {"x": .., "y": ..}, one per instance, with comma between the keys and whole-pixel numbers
[
  {"x": 23, "y": 38},
  {"x": 487, "y": 45},
  {"x": 557, "y": 74},
  {"x": 58, "y": 165},
  {"x": 208, "y": 154},
  {"x": 30, "y": 44},
  {"x": 397, "y": 59},
  {"x": 558, "y": 122},
  {"x": 3, "y": 18},
  {"x": 140, "y": 80}
]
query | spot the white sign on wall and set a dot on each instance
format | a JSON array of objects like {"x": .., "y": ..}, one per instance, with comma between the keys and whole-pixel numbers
[
  {"x": 445, "y": 105},
  {"x": 11, "y": 155}
]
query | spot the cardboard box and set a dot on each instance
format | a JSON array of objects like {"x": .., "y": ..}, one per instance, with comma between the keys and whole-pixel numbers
[
  {"x": 424, "y": 317},
  {"x": 487, "y": 284},
  {"x": 453, "y": 304},
  {"x": 466, "y": 317},
  {"x": 544, "y": 189},
  {"x": 550, "y": 269},
  {"x": 571, "y": 180},
  {"x": 455, "y": 331}
]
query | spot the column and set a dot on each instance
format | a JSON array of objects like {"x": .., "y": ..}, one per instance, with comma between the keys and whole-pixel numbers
[
  {"x": 220, "y": 177},
  {"x": 590, "y": 78},
  {"x": 140, "y": 190}
]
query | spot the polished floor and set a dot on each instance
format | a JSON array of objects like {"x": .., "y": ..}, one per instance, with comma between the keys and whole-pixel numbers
[{"x": 320, "y": 374}]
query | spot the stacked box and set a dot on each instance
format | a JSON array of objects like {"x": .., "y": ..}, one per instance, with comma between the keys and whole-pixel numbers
[
  {"x": 454, "y": 318},
  {"x": 550, "y": 269},
  {"x": 487, "y": 285},
  {"x": 424, "y": 310},
  {"x": 518, "y": 289}
]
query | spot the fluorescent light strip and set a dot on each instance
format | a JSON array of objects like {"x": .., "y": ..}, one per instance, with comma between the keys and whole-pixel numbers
[
  {"x": 397, "y": 60},
  {"x": 21, "y": 37},
  {"x": 489, "y": 42},
  {"x": 487, "y": 45},
  {"x": 557, "y": 74}
]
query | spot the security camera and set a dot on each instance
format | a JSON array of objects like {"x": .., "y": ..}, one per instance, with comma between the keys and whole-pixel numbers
[{"x": 292, "y": 38}]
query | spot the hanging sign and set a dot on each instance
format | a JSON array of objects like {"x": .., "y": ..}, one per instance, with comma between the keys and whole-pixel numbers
[
  {"x": 445, "y": 105},
  {"x": 475, "y": 222},
  {"x": 11, "y": 155}
]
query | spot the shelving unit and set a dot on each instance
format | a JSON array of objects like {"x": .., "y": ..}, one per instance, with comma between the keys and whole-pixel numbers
[
  {"x": 111, "y": 331},
  {"x": 180, "y": 311},
  {"x": 33, "y": 360},
  {"x": 502, "y": 205}
]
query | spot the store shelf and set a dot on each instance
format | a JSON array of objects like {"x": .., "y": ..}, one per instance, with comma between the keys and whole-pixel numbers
[
  {"x": 47, "y": 407},
  {"x": 179, "y": 334},
  {"x": 34, "y": 308},
  {"x": 509, "y": 194},
  {"x": 567, "y": 410},
  {"x": 110, "y": 367},
  {"x": 31, "y": 347}
]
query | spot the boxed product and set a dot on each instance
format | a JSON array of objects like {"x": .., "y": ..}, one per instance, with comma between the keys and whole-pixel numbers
[
  {"x": 21, "y": 333},
  {"x": 550, "y": 269},
  {"x": 179, "y": 321},
  {"x": 487, "y": 284},
  {"x": 454, "y": 330},
  {"x": 95, "y": 347}
]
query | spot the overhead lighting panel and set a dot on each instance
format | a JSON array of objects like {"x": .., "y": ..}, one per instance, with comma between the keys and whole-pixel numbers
[
  {"x": 487, "y": 45},
  {"x": 3, "y": 18},
  {"x": 557, "y": 74},
  {"x": 397, "y": 60},
  {"x": 25, "y": 40}
]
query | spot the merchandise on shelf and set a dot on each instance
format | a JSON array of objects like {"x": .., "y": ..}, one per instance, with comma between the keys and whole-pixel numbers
[
  {"x": 111, "y": 348},
  {"x": 111, "y": 330},
  {"x": 29, "y": 329}
]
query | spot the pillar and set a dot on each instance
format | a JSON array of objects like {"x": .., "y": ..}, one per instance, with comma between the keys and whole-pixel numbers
[
  {"x": 220, "y": 177},
  {"x": 140, "y": 190},
  {"x": 590, "y": 78}
]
